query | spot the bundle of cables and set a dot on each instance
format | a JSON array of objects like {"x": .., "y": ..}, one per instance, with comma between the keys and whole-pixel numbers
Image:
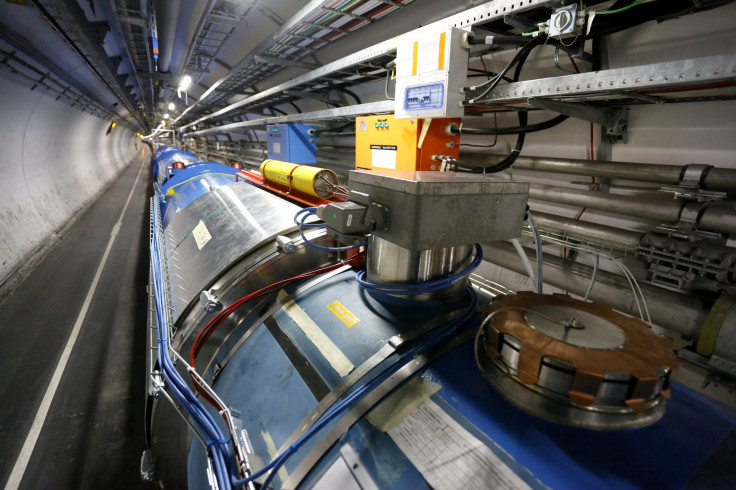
[
  {"x": 383, "y": 372},
  {"x": 488, "y": 86},
  {"x": 300, "y": 219},
  {"x": 201, "y": 422}
]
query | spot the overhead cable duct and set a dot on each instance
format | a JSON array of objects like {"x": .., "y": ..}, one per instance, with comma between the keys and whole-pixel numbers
[
  {"x": 681, "y": 313},
  {"x": 714, "y": 217}
]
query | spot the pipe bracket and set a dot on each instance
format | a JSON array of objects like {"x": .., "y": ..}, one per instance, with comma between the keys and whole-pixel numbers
[{"x": 615, "y": 119}]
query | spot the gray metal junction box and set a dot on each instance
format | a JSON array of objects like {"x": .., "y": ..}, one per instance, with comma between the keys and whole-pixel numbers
[{"x": 430, "y": 210}]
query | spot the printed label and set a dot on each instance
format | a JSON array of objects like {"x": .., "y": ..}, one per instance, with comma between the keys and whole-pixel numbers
[
  {"x": 383, "y": 156},
  {"x": 447, "y": 455},
  {"x": 343, "y": 313},
  {"x": 201, "y": 235}
]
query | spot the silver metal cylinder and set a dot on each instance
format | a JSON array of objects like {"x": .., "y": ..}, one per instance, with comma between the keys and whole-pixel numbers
[
  {"x": 654, "y": 209},
  {"x": 717, "y": 179},
  {"x": 387, "y": 263},
  {"x": 586, "y": 231},
  {"x": 642, "y": 172},
  {"x": 678, "y": 312},
  {"x": 719, "y": 218}
]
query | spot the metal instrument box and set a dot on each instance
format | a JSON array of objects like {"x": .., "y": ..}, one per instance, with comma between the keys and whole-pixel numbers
[
  {"x": 431, "y": 72},
  {"x": 430, "y": 210},
  {"x": 293, "y": 143},
  {"x": 384, "y": 142}
]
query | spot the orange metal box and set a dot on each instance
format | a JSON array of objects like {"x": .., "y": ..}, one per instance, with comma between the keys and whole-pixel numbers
[{"x": 384, "y": 142}]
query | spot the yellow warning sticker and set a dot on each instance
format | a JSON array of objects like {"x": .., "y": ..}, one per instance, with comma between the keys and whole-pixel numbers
[{"x": 343, "y": 313}]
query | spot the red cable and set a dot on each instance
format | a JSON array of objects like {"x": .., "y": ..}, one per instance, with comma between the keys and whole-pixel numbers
[{"x": 213, "y": 324}]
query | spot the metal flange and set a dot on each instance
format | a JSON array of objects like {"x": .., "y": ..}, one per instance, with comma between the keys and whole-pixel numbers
[{"x": 575, "y": 362}]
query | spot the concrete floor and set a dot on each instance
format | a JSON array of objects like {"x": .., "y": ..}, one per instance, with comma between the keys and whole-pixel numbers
[{"x": 93, "y": 434}]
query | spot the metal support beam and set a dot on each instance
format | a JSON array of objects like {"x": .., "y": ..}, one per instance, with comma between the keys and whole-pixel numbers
[
  {"x": 283, "y": 62},
  {"x": 477, "y": 15},
  {"x": 613, "y": 118}
]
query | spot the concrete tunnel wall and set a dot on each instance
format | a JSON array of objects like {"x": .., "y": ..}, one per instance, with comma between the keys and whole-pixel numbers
[{"x": 55, "y": 159}]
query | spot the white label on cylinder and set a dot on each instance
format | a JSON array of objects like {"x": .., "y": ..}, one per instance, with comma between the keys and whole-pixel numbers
[
  {"x": 447, "y": 455},
  {"x": 201, "y": 235}
]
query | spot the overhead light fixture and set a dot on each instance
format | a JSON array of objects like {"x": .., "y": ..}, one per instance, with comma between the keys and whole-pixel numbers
[
  {"x": 185, "y": 83},
  {"x": 171, "y": 106},
  {"x": 166, "y": 116}
]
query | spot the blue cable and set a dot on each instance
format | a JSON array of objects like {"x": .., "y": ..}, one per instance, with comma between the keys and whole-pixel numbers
[
  {"x": 306, "y": 213},
  {"x": 425, "y": 287},
  {"x": 179, "y": 389},
  {"x": 310, "y": 210},
  {"x": 433, "y": 340}
]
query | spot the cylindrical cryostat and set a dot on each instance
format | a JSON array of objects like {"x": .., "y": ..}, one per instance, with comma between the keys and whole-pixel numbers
[{"x": 315, "y": 181}]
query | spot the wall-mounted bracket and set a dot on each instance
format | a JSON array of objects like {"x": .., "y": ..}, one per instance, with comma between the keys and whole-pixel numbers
[{"x": 613, "y": 118}]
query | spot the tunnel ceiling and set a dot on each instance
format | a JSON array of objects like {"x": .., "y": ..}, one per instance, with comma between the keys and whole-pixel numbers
[{"x": 104, "y": 52}]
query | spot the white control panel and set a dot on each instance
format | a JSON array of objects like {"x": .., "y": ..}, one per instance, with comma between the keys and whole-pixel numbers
[{"x": 430, "y": 73}]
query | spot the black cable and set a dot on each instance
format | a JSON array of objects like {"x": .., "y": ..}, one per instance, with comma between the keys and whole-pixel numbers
[
  {"x": 518, "y": 129},
  {"x": 275, "y": 110},
  {"x": 522, "y": 54},
  {"x": 350, "y": 93},
  {"x": 498, "y": 40},
  {"x": 523, "y": 118}
]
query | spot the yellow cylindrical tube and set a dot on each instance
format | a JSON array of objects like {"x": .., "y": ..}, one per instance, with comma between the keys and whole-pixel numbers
[{"x": 315, "y": 181}]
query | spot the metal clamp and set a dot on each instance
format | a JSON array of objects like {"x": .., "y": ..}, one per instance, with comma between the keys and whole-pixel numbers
[
  {"x": 209, "y": 303},
  {"x": 285, "y": 244},
  {"x": 693, "y": 175},
  {"x": 690, "y": 214}
]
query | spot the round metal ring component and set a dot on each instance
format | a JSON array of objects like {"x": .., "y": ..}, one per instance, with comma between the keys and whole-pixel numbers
[{"x": 575, "y": 362}]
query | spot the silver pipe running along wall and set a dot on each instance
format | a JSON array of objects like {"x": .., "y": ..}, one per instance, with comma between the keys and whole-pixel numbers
[{"x": 720, "y": 217}]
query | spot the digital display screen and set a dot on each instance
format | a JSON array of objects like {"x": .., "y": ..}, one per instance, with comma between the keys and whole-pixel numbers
[{"x": 421, "y": 97}]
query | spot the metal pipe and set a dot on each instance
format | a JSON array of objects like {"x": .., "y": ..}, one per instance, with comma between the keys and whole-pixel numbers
[
  {"x": 675, "y": 311},
  {"x": 659, "y": 174},
  {"x": 586, "y": 231},
  {"x": 720, "y": 217},
  {"x": 720, "y": 179},
  {"x": 654, "y": 209},
  {"x": 716, "y": 179},
  {"x": 167, "y": 19}
]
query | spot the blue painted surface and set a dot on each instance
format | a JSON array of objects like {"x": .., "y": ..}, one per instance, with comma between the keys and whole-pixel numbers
[
  {"x": 378, "y": 322},
  {"x": 190, "y": 183},
  {"x": 165, "y": 157},
  {"x": 261, "y": 382},
  {"x": 291, "y": 143},
  {"x": 663, "y": 455}
]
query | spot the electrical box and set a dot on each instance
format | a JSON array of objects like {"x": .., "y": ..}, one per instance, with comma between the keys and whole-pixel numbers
[
  {"x": 563, "y": 22},
  {"x": 385, "y": 142},
  {"x": 431, "y": 72},
  {"x": 293, "y": 143}
]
